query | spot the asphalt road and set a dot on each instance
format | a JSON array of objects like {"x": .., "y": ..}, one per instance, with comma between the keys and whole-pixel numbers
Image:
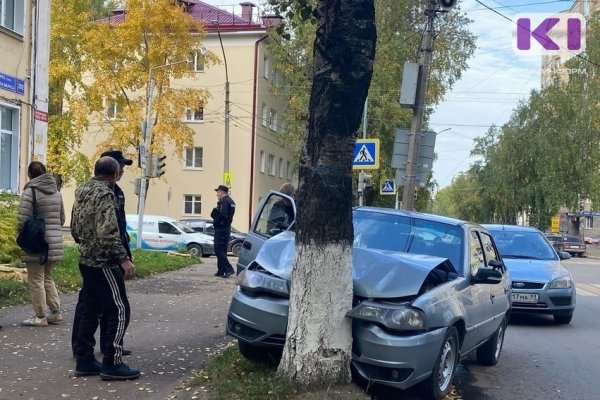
[{"x": 177, "y": 325}]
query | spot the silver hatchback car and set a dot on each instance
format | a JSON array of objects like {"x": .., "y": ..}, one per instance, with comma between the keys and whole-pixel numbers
[{"x": 427, "y": 290}]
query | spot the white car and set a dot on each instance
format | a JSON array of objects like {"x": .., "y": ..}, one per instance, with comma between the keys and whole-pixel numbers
[{"x": 167, "y": 234}]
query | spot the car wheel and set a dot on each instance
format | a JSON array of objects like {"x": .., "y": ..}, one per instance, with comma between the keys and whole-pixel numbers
[
  {"x": 563, "y": 319},
  {"x": 489, "y": 352},
  {"x": 439, "y": 383},
  {"x": 260, "y": 354},
  {"x": 236, "y": 248},
  {"x": 195, "y": 249}
]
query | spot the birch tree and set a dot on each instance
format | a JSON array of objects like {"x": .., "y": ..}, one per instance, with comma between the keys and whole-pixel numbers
[{"x": 318, "y": 344}]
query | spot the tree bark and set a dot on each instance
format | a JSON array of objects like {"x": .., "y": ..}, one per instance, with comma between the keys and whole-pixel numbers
[{"x": 318, "y": 345}]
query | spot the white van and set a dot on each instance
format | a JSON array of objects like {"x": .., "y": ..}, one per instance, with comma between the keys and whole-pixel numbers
[{"x": 167, "y": 234}]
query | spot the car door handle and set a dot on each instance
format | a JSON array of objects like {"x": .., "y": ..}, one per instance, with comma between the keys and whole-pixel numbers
[{"x": 247, "y": 245}]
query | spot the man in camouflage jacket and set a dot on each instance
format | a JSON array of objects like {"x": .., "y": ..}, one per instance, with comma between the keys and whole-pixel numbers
[{"x": 104, "y": 265}]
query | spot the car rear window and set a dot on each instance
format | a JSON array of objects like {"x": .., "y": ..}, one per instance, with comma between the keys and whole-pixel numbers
[{"x": 571, "y": 239}]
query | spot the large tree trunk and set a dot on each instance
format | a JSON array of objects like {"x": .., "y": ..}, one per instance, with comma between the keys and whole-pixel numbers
[{"x": 318, "y": 346}]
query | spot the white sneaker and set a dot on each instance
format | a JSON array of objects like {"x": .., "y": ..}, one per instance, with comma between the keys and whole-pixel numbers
[
  {"x": 54, "y": 318},
  {"x": 35, "y": 321}
]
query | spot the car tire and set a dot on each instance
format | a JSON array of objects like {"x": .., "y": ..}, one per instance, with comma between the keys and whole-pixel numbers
[
  {"x": 489, "y": 352},
  {"x": 563, "y": 319},
  {"x": 439, "y": 383},
  {"x": 195, "y": 250},
  {"x": 260, "y": 354},
  {"x": 236, "y": 249}
]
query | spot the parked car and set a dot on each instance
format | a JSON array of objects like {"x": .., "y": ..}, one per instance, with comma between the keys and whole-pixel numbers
[
  {"x": 569, "y": 243},
  {"x": 540, "y": 283},
  {"x": 166, "y": 234},
  {"x": 206, "y": 226},
  {"x": 591, "y": 240},
  {"x": 427, "y": 291}
]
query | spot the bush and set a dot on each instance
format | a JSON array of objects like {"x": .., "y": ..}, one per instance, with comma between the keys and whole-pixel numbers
[{"x": 9, "y": 251}]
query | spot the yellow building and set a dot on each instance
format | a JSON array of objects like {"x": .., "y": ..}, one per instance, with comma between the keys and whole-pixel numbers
[
  {"x": 257, "y": 162},
  {"x": 24, "y": 33}
]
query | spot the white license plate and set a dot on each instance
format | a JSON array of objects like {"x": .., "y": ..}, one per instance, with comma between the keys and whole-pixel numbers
[{"x": 525, "y": 297}]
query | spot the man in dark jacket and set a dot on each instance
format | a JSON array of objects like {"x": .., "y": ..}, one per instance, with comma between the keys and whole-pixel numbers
[
  {"x": 104, "y": 264},
  {"x": 122, "y": 221},
  {"x": 222, "y": 216}
]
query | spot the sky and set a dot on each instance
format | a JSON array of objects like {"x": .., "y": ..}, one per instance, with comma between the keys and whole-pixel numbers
[{"x": 490, "y": 89}]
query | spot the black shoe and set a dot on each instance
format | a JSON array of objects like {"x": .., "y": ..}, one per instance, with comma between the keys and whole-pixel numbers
[
  {"x": 226, "y": 274},
  {"x": 88, "y": 368},
  {"x": 120, "y": 372},
  {"x": 126, "y": 352},
  {"x": 219, "y": 274}
]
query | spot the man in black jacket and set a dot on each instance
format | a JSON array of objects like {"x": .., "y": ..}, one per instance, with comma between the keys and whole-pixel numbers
[
  {"x": 122, "y": 221},
  {"x": 222, "y": 216}
]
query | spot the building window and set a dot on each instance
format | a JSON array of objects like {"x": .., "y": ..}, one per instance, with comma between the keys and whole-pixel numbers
[
  {"x": 192, "y": 204},
  {"x": 262, "y": 161},
  {"x": 589, "y": 222},
  {"x": 197, "y": 61},
  {"x": 273, "y": 118},
  {"x": 265, "y": 114},
  {"x": 11, "y": 15},
  {"x": 193, "y": 157},
  {"x": 288, "y": 170},
  {"x": 281, "y": 167},
  {"x": 113, "y": 109},
  {"x": 271, "y": 165},
  {"x": 266, "y": 67},
  {"x": 274, "y": 76},
  {"x": 194, "y": 115},
  {"x": 8, "y": 148}
]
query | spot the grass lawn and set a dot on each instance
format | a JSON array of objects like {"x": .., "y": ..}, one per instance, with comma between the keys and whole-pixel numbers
[{"x": 68, "y": 279}]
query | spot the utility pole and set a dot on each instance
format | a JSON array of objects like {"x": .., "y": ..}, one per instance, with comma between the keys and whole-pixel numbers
[
  {"x": 145, "y": 153},
  {"x": 226, "y": 151},
  {"x": 408, "y": 198}
]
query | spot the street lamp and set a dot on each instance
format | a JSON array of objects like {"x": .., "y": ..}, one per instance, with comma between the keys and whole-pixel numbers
[
  {"x": 226, "y": 151},
  {"x": 144, "y": 153}
]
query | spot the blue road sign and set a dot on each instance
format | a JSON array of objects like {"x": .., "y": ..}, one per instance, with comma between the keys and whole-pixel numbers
[
  {"x": 366, "y": 154},
  {"x": 388, "y": 187}
]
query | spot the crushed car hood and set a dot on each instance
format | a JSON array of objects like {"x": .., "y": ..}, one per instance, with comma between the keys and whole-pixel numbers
[{"x": 376, "y": 273}]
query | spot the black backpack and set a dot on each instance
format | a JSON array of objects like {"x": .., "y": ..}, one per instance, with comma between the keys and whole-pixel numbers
[{"x": 32, "y": 237}]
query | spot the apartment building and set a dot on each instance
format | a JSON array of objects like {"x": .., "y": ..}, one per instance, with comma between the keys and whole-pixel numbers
[
  {"x": 257, "y": 161},
  {"x": 24, "y": 47}
]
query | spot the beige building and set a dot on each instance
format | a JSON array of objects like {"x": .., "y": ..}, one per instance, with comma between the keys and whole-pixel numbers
[
  {"x": 24, "y": 32},
  {"x": 257, "y": 162}
]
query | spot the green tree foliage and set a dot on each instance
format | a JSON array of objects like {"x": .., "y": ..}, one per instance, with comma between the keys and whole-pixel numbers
[
  {"x": 9, "y": 251},
  {"x": 399, "y": 26}
]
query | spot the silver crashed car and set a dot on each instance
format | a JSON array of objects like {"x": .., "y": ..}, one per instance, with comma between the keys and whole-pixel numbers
[
  {"x": 427, "y": 290},
  {"x": 540, "y": 283}
]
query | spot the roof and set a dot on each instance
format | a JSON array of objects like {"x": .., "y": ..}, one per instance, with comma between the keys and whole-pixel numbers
[
  {"x": 205, "y": 13},
  {"x": 415, "y": 214},
  {"x": 513, "y": 228}
]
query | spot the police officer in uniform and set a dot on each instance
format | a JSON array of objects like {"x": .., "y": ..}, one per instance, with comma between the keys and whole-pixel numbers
[{"x": 222, "y": 216}]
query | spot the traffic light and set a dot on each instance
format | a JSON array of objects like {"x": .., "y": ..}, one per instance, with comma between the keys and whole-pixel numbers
[
  {"x": 416, "y": 192},
  {"x": 157, "y": 165}
]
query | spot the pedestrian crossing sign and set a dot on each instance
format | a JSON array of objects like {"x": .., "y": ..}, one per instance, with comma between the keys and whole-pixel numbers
[
  {"x": 366, "y": 154},
  {"x": 388, "y": 187}
]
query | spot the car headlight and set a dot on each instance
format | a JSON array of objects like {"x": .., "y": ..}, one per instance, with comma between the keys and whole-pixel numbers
[
  {"x": 255, "y": 281},
  {"x": 397, "y": 318},
  {"x": 563, "y": 282}
]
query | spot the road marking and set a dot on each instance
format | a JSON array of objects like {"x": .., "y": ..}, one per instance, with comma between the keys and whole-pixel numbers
[{"x": 587, "y": 289}]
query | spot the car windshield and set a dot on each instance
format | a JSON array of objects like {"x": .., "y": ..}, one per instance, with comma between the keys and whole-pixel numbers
[
  {"x": 404, "y": 234},
  {"x": 523, "y": 244},
  {"x": 183, "y": 227}
]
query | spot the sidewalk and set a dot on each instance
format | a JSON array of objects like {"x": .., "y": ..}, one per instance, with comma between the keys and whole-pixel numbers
[{"x": 177, "y": 324}]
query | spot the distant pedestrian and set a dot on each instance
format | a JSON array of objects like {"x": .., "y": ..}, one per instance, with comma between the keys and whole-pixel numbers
[
  {"x": 282, "y": 212},
  {"x": 49, "y": 206},
  {"x": 104, "y": 265},
  {"x": 121, "y": 219},
  {"x": 222, "y": 216}
]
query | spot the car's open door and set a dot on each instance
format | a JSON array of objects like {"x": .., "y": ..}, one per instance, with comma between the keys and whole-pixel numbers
[{"x": 269, "y": 221}]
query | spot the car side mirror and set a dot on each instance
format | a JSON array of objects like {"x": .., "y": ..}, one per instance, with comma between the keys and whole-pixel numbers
[
  {"x": 487, "y": 275},
  {"x": 563, "y": 255}
]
